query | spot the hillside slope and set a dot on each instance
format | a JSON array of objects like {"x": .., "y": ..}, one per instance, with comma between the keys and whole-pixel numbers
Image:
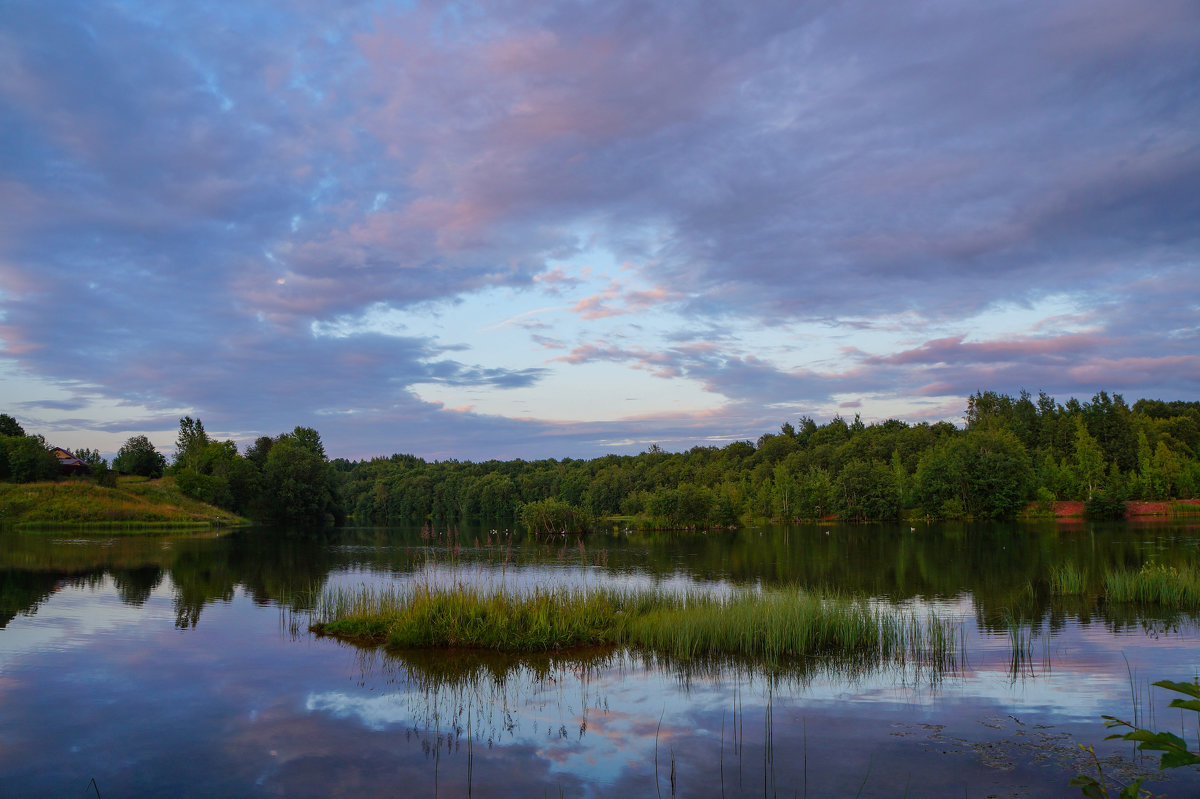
[{"x": 135, "y": 501}]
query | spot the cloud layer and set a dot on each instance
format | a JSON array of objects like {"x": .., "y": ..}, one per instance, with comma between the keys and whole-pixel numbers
[{"x": 800, "y": 205}]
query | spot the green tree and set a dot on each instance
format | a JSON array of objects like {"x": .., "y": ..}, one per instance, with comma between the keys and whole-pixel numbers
[
  {"x": 604, "y": 493},
  {"x": 987, "y": 409},
  {"x": 1108, "y": 420},
  {"x": 784, "y": 484},
  {"x": 866, "y": 491},
  {"x": 138, "y": 456},
  {"x": 686, "y": 505},
  {"x": 1050, "y": 474},
  {"x": 1144, "y": 484},
  {"x": 297, "y": 483},
  {"x": 9, "y": 426},
  {"x": 97, "y": 466},
  {"x": 30, "y": 460},
  {"x": 814, "y": 494},
  {"x": 901, "y": 476},
  {"x": 310, "y": 439},
  {"x": 727, "y": 505},
  {"x": 1088, "y": 463},
  {"x": 984, "y": 472},
  {"x": 219, "y": 476},
  {"x": 257, "y": 452},
  {"x": 191, "y": 442},
  {"x": 91, "y": 457},
  {"x": 1168, "y": 468},
  {"x": 496, "y": 496},
  {"x": 694, "y": 505}
]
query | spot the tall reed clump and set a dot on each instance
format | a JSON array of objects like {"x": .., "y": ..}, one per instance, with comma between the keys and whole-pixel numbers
[
  {"x": 765, "y": 626},
  {"x": 1155, "y": 584},
  {"x": 1068, "y": 580}
]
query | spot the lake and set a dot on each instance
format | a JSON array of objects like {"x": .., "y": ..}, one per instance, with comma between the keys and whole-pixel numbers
[{"x": 174, "y": 665}]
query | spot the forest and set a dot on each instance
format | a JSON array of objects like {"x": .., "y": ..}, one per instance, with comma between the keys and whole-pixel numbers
[{"x": 1013, "y": 456}]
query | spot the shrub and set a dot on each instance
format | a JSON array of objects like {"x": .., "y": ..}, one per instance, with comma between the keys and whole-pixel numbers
[
  {"x": 554, "y": 515},
  {"x": 1105, "y": 505},
  {"x": 138, "y": 456}
]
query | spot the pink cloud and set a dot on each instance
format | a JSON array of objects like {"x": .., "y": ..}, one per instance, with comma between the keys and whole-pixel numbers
[
  {"x": 594, "y": 307},
  {"x": 1137, "y": 370},
  {"x": 640, "y": 300},
  {"x": 954, "y": 349},
  {"x": 598, "y": 306},
  {"x": 555, "y": 278},
  {"x": 658, "y": 363},
  {"x": 17, "y": 341},
  {"x": 936, "y": 389}
]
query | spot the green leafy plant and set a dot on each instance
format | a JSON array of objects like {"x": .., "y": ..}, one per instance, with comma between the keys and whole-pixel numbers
[
  {"x": 1175, "y": 752},
  {"x": 1174, "y": 749}
]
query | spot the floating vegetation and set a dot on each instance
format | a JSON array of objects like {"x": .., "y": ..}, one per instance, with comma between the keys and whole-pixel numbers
[{"x": 766, "y": 626}]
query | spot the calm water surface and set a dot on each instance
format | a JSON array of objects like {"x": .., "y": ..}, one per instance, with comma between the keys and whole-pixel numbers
[{"x": 165, "y": 665}]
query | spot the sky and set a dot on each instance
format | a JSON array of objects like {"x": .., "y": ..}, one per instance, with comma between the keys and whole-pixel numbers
[{"x": 569, "y": 228}]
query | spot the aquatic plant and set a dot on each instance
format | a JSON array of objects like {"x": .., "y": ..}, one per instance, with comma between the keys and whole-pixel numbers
[
  {"x": 1157, "y": 584},
  {"x": 1020, "y": 643},
  {"x": 1175, "y": 752},
  {"x": 1068, "y": 580},
  {"x": 766, "y": 626}
]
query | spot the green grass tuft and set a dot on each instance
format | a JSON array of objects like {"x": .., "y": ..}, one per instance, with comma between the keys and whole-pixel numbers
[
  {"x": 1068, "y": 580},
  {"x": 1155, "y": 584},
  {"x": 767, "y": 626}
]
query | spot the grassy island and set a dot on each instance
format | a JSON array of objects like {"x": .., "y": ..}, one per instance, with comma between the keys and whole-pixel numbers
[
  {"x": 134, "y": 502},
  {"x": 766, "y": 626}
]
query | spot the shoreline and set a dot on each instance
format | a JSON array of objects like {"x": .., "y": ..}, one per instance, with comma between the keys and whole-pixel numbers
[{"x": 1135, "y": 509}]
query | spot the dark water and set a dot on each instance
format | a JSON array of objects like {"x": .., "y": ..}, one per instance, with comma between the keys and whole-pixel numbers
[{"x": 166, "y": 666}]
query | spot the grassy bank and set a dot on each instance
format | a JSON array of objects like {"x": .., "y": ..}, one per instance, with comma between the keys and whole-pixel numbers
[
  {"x": 1154, "y": 584},
  {"x": 134, "y": 502},
  {"x": 766, "y": 626}
]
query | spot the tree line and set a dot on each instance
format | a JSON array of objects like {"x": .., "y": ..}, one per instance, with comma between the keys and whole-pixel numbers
[{"x": 1011, "y": 452}]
